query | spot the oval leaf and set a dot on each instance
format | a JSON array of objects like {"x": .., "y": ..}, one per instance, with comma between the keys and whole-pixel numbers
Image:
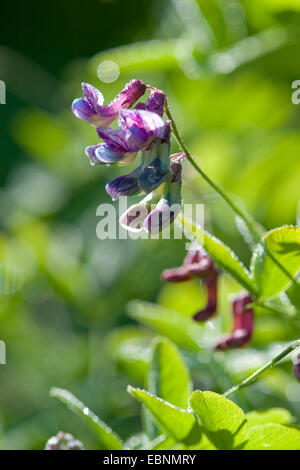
[
  {"x": 223, "y": 421},
  {"x": 168, "y": 376},
  {"x": 273, "y": 436},
  {"x": 175, "y": 421},
  {"x": 276, "y": 260},
  {"x": 273, "y": 415}
]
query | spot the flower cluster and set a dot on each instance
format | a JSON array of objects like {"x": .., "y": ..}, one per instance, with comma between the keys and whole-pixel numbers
[
  {"x": 197, "y": 264},
  {"x": 243, "y": 318},
  {"x": 139, "y": 130}
]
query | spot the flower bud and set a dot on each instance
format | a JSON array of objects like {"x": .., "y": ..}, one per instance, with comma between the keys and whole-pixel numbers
[
  {"x": 211, "y": 307},
  {"x": 243, "y": 324},
  {"x": 134, "y": 217},
  {"x": 169, "y": 206},
  {"x": 156, "y": 102},
  {"x": 90, "y": 108}
]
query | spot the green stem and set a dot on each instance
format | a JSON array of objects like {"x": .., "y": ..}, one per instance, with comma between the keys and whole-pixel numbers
[
  {"x": 273, "y": 309},
  {"x": 249, "y": 380},
  {"x": 251, "y": 224}
]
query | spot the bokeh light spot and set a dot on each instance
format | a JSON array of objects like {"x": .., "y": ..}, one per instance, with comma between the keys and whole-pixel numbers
[{"x": 108, "y": 71}]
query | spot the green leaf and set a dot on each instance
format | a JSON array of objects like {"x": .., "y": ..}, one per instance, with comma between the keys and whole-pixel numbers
[
  {"x": 223, "y": 421},
  {"x": 273, "y": 415},
  {"x": 168, "y": 376},
  {"x": 108, "y": 439},
  {"x": 174, "y": 325},
  {"x": 175, "y": 421},
  {"x": 223, "y": 255},
  {"x": 273, "y": 436},
  {"x": 280, "y": 246},
  {"x": 162, "y": 442}
]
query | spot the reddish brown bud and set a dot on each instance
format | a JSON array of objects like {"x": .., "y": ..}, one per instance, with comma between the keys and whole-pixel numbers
[
  {"x": 211, "y": 307},
  {"x": 243, "y": 324}
]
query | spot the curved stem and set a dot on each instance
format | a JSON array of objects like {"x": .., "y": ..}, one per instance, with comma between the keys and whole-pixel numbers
[
  {"x": 251, "y": 224},
  {"x": 249, "y": 380}
]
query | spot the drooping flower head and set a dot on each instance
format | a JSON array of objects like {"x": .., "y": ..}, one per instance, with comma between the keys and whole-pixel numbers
[
  {"x": 243, "y": 317},
  {"x": 197, "y": 263},
  {"x": 139, "y": 130},
  {"x": 90, "y": 108}
]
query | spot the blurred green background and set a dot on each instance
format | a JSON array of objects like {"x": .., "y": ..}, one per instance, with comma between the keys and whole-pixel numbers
[{"x": 227, "y": 67}]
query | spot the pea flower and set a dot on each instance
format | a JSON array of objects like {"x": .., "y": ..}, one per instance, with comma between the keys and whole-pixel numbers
[
  {"x": 90, "y": 108},
  {"x": 155, "y": 103},
  {"x": 63, "y": 441},
  {"x": 296, "y": 367},
  {"x": 197, "y": 263},
  {"x": 133, "y": 218},
  {"x": 243, "y": 317},
  {"x": 139, "y": 130},
  {"x": 170, "y": 204}
]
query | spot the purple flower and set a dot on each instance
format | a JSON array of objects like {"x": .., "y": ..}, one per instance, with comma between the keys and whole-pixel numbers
[
  {"x": 134, "y": 217},
  {"x": 102, "y": 154},
  {"x": 296, "y": 367},
  {"x": 117, "y": 147},
  {"x": 127, "y": 184},
  {"x": 156, "y": 102},
  {"x": 162, "y": 216},
  {"x": 142, "y": 127},
  {"x": 63, "y": 441},
  {"x": 90, "y": 108},
  {"x": 243, "y": 324},
  {"x": 158, "y": 168},
  {"x": 170, "y": 204},
  {"x": 123, "y": 185},
  {"x": 138, "y": 130}
]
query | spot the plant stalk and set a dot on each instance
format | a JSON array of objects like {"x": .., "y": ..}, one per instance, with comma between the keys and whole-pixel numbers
[
  {"x": 250, "y": 223},
  {"x": 249, "y": 380}
]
